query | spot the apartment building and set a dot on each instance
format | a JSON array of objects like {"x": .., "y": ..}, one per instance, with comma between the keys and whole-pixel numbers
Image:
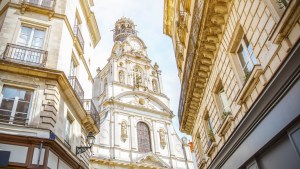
[
  {"x": 46, "y": 111},
  {"x": 238, "y": 63}
]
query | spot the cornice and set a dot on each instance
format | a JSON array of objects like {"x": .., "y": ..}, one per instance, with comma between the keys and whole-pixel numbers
[
  {"x": 204, "y": 42},
  {"x": 168, "y": 16},
  {"x": 91, "y": 22},
  {"x": 116, "y": 102}
]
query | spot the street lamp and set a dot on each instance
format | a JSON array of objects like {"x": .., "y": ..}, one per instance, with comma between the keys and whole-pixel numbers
[{"x": 90, "y": 139}]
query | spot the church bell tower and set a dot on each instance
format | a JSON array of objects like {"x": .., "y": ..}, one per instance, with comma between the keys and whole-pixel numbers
[{"x": 136, "y": 121}]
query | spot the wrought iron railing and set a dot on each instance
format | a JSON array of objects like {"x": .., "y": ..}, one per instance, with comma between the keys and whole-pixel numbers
[
  {"x": 79, "y": 36},
  {"x": 25, "y": 55},
  {"x": 77, "y": 87},
  {"x": 48, "y": 4},
  {"x": 90, "y": 108},
  {"x": 19, "y": 118}
]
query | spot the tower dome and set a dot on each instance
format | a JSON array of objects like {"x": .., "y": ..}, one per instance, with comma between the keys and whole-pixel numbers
[{"x": 124, "y": 27}]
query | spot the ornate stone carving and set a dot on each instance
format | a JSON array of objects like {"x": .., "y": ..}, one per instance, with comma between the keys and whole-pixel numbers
[
  {"x": 124, "y": 135},
  {"x": 121, "y": 76},
  {"x": 162, "y": 138}
]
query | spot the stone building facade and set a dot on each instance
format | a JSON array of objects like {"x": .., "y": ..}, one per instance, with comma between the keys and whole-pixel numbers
[
  {"x": 136, "y": 121},
  {"x": 238, "y": 62},
  {"x": 46, "y": 112}
]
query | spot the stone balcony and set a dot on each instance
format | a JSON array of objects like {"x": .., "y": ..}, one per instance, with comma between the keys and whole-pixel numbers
[
  {"x": 79, "y": 38},
  {"x": 25, "y": 55},
  {"x": 77, "y": 87},
  {"x": 91, "y": 110}
]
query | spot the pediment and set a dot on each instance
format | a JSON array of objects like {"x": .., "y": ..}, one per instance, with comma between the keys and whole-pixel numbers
[
  {"x": 142, "y": 99},
  {"x": 151, "y": 159}
]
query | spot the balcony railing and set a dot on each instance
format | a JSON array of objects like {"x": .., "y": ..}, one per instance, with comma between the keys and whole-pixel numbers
[
  {"x": 79, "y": 36},
  {"x": 90, "y": 108},
  {"x": 77, "y": 87},
  {"x": 25, "y": 55},
  {"x": 48, "y": 4}
]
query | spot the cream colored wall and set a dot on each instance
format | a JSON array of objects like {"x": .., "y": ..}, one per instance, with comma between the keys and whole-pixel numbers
[
  {"x": 38, "y": 85},
  {"x": 258, "y": 24}
]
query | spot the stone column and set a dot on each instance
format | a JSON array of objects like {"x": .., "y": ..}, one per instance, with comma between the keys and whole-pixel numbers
[
  {"x": 155, "y": 137},
  {"x": 171, "y": 144},
  {"x": 117, "y": 130},
  {"x": 133, "y": 133}
]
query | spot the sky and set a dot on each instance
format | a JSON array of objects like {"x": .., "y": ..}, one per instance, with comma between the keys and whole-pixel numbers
[{"x": 148, "y": 16}]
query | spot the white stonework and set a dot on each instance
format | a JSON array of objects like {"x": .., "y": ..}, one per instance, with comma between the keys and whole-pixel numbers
[{"x": 129, "y": 90}]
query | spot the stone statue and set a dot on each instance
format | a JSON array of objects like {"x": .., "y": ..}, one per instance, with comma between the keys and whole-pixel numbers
[
  {"x": 138, "y": 80},
  {"x": 124, "y": 131},
  {"x": 154, "y": 85},
  {"x": 121, "y": 77},
  {"x": 162, "y": 138}
]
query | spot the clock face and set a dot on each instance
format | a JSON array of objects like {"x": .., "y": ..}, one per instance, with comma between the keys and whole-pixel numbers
[{"x": 136, "y": 45}]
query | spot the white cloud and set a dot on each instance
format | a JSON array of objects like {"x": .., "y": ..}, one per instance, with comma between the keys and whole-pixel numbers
[{"x": 148, "y": 16}]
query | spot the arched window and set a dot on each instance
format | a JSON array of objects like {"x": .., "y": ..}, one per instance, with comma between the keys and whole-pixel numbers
[{"x": 143, "y": 134}]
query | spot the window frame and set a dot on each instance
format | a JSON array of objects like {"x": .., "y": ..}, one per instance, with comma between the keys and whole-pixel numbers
[
  {"x": 73, "y": 64},
  {"x": 67, "y": 137},
  {"x": 149, "y": 136},
  {"x": 31, "y": 36},
  {"x": 275, "y": 11},
  {"x": 15, "y": 104}
]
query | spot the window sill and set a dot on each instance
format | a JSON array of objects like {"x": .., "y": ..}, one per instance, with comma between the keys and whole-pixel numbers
[
  {"x": 225, "y": 125},
  {"x": 210, "y": 149},
  {"x": 201, "y": 163},
  {"x": 249, "y": 84}
]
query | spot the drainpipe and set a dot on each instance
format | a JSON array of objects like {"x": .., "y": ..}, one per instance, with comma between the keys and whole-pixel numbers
[{"x": 40, "y": 153}]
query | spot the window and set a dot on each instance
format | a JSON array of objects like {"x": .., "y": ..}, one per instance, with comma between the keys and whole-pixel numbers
[
  {"x": 143, "y": 134},
  {"x": 209, "y": 130},
  {"x": 15, "y": 105},
  {"x": 68, "y": 130},
  {"x": 43, "y": 3},
  {"x": 277, "y": 7},
  {"x": 31, "y": 37},
  {"x": 246, "y": 56},
  {"x": 73, "y": 68},
  {"x": 221, "y": 100}
]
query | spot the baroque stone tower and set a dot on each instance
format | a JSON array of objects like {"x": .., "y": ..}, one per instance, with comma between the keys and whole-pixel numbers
[{"x": 136, "y": 121}]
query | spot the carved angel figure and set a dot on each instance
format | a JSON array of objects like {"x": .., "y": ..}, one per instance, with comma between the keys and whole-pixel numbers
[
  {"x": 121, "y": 77},
  {"x": 124, "y": 131},
  {"x": 162, "y": 138}
]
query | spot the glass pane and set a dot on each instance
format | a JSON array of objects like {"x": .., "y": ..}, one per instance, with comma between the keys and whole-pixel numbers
[
  {"x": 143, "y": 133},
  {"x": 20, "y": 118},
  {"x": 7, "y": 104},
  {"x": 11, "y": 93},
  {"x": 248, "y": 67},
  {"x": 224, "y": 100},
  {"x": 67, "y": 130},
  {"x": 4, "y": 116},
  {"x": 38, "y": 39},
  {"x": 253, "y": 58},
  {"x": 242, "y": 57},
  {"x": 23, "y": 106},
  {"x": 24, "y": 35}
]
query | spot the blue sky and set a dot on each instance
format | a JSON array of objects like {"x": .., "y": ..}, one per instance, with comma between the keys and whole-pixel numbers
[{"x": 148, "y": 16}]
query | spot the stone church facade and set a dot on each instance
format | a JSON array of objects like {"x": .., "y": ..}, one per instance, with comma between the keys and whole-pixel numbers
[{"x": 136, "y": 121}]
